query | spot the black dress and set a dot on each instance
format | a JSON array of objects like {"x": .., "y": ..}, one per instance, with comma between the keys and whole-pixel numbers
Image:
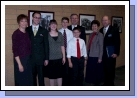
[{"x": 54, "y": 69}]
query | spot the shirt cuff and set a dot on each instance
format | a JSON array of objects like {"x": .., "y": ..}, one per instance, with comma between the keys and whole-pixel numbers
[
  {"x": 68, "y": 56},
  {"x": 85, "y": 55}
]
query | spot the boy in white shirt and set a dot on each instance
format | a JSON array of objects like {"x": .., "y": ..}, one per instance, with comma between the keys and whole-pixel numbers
[
  {"x": 77, "y": 58},
  {"x": 67, "y": 35}
]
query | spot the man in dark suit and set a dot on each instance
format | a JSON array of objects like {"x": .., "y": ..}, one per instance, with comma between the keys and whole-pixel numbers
[
  {"x": 111, "y": 38},
  {"x": 39, "y": 48},
  {"x": 74, "y": 23}
]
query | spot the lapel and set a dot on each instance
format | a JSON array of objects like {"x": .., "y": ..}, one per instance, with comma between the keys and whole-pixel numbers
[
  {"x": 70, "y": 27},
  {"x": 108, "y": 31},
  {"x": 31, "y": 32}
]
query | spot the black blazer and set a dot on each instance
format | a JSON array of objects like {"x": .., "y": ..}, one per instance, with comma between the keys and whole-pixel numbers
[
  {"x": 39, "y": 44},
  {"x": 83, "y": 34},
  {"x": 112, "y": 38}
]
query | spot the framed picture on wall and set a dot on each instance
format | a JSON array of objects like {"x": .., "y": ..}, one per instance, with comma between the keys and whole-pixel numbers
[
  {"x": 117, "y": 22},
  {"x": 44, "y": 20},
  {"x": 85, "y": 21}
]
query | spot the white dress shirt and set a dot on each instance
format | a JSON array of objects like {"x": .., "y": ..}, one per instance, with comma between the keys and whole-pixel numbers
[
  {"x": 106, "y": 29},
  {"x": 72, "y": 48},
  {"x": 73, "y": 26},
  {"x": 69, "y": 34},
  {"x": 37, "y": 27}
]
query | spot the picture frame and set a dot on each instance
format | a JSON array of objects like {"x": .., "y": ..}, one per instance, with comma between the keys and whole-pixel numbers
[
  {"x": 85, "y": 21},
  {"x": 117, "y": 22},
  {"x": 46, "y": 16}
]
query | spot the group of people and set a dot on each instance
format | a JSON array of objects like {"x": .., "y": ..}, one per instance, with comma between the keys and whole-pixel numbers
[{"x": 61, "y": 55}]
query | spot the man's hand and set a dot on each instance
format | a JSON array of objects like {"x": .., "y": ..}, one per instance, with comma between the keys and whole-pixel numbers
[
  {"x": 46, "y": 62},
  {"x": 114, "y": 55},
  {"x": 70, "y": 64}
]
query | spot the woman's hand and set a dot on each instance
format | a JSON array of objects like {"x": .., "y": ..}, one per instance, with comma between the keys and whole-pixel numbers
[
  {"x": 21, "y": 69},
  {"x": 99, "y": 61},
  {"x": 63, "y": 60}
]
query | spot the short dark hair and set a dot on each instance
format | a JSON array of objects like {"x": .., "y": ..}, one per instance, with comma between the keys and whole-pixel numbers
[
  {"x": 73, "y": 15},
  {"x": 65, "y": 18},
  {"x": 53, "y": 21},
  {"x": 95, "y": 22},
  {"x": 76, "y": 28},
  {"x": 35, "y": 13},
  {"x": 21, "y": 16}
]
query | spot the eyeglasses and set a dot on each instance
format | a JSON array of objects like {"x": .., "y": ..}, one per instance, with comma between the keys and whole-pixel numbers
[{"x": 37, "y": 17}]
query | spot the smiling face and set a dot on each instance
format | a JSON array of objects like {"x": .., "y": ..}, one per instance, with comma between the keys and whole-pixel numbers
[
  {"x": 23, "y": 23},
  {"x": 76, "y": 33},
  {"x": 74, "y": 20},
  {"x": 53, "y": 26},
  {"x": 64, "y": 23},
  {"x": 94, "y": 28},
  {"x": 105, "y": 21},
  {"x": 36, "y": 19}
]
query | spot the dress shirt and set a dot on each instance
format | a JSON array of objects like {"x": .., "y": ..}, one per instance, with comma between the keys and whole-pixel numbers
[
  {"x": 73, "y": 26},
  {"x": 37, "y": 27},
  {"x": 68, "y": 33},
  {"x": 106, "y": 28},
  {"x": 72, "y": 48}
]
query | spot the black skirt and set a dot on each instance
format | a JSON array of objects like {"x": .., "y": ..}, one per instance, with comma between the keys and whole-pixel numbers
[
  {"x": 23, "y": 78},
  {"x": 54, "y": 69},
  {"x": 94, "y": 71}
]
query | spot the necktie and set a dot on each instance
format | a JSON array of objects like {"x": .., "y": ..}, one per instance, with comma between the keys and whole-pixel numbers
[
  {"x": 35, "y": 31},
  {"x": 90, "y": 42},
  {"x": 78, "y": 49},
  {"x": 104, "y": 31},
  {"x": 65, "y": 39}
]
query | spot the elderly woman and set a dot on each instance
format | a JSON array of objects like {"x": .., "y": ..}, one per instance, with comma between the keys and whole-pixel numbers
[
  {"x": 21, "y": 47},
  {"x": 94, "y": 68}
]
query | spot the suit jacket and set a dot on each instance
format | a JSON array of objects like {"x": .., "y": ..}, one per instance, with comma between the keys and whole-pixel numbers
[
  {"x": 83, "y": 34},
  {"x": 112, "y": 38},
  {"x": 96, "y": 48},
  {"x": 39, "y": 45}
]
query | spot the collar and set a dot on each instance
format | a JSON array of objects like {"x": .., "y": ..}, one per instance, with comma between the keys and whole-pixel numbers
[
  {"x": 107, "y": 27},
  {"x": 74, "y": 25},
  {"x": 35, "y": 26},
  {"x": 76, "y": 38},
  {"x": 64, "y": 29}
]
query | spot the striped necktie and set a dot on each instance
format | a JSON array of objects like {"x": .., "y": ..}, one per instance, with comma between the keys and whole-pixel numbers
[{"x": 65, "y": 39}]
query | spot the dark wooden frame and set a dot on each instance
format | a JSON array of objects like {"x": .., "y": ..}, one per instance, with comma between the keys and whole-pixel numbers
[
  {"x": 86, "y": 16},
  {"x": 116, "y": 24}
]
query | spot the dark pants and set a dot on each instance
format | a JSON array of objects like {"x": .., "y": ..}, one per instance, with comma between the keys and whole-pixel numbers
[
  {"x": 23, "y": 78},
  {"x": 38, "y": 70},
  {"x": 109, "y": 71},
  {"x": 65, "y": 79},
  {"x": 77, "y": 71}
]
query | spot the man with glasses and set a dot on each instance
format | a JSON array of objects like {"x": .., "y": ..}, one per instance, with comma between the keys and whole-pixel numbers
[{"x": 39, "y": 48}]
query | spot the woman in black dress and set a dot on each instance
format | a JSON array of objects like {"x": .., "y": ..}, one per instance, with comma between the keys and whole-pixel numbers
[
  {"x": 21, "y": 47},
  {"x": 56, "y": 54}
]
